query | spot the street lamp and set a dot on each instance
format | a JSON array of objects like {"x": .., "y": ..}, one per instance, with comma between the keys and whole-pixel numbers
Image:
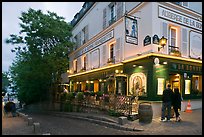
[{"x": 162, "y": 42}]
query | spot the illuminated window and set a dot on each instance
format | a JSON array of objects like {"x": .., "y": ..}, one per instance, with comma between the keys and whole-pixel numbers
[
  {"x": 111, "y": 58},
  {"x": 160, "y": 86},
  {"x": 187, "y": 86},
  {"x": 196, "y": 84},
  {"x": 111, "y": 50},
  {"x": 75, "y": 65}
]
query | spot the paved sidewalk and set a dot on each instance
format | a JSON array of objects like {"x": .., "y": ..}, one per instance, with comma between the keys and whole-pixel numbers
[
  {"x": 15, "y": 126},
  {"x": 191, "y": 124}
]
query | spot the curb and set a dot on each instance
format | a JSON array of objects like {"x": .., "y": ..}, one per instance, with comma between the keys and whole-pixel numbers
[{"x": 99, "y": 121}]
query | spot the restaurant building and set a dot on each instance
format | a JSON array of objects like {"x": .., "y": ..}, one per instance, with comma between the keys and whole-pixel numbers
[{"x": 134, "y": 48}]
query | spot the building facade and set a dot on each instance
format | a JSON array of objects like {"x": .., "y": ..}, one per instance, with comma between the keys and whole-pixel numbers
[{"x": 119, "y": 48}]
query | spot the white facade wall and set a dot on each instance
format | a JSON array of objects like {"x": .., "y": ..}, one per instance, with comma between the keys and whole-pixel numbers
[
  {"x": 93, "y": 18},
  {"x": 144, "y": 12},
  {"x": 149, "y": 23}
]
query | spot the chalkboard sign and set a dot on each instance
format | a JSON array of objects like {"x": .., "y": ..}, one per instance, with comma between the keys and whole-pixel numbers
[{"x": 147, "y": 40}]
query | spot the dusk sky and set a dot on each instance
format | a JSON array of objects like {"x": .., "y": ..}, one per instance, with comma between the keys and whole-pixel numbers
[{"x": 11, "y": 11}]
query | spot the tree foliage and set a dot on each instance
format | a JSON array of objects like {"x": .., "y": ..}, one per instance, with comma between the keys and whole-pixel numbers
[
  {"x": 42, "y": 49},
  {"x": 5, "y": 81}
]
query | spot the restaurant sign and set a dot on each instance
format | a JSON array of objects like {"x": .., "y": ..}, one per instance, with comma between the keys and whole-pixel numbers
[
  {"x": 179, "y": 18},
  {"x": 185, "y": 67},
  {"x": 131, "y": 30},
  {"x": 95, "y": 44}
]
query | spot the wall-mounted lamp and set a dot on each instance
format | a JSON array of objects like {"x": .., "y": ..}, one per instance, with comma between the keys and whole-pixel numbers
[{"x": 162, "y": 42}]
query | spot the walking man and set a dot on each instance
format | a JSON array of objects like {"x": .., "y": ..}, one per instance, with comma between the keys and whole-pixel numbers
[{"x": 166, "y": 102}]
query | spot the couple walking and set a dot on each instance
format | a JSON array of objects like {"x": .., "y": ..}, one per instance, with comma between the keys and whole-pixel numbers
[{"x": 169, "y": 99}]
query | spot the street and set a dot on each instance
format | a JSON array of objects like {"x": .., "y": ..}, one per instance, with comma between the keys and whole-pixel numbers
[{"x": 191, "y": 124}]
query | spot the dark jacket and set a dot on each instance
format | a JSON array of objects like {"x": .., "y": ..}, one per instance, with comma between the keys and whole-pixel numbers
[
  {"x": 176, "y": 102},
  {"x": 167, "y": 95}
]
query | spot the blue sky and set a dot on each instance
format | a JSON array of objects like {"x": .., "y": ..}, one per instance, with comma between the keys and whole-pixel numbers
[{"x": 10, "y": 22}]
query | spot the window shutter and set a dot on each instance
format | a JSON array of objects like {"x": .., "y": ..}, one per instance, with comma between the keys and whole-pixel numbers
[
  {"x": 184, "y": 47},
  {"x": 117, "y": 50},
  {"x": 78, "y": 42},
  {"x": 104, "y": 55},
  {"x": 104, "y": 18},
  {"x": 87, "y": 67},
  {"x": 86, "y": 33},
  {"x": 79, "y": 64},
  {"x": 119, "y": 9},
  {"x": 164, "y": 29}
]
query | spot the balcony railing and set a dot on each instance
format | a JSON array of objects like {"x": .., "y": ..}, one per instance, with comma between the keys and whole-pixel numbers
[
  {"x": 112, "y": 20},
  {"x": 111, "y": 60},
  {"x": 174, "y": 51}
]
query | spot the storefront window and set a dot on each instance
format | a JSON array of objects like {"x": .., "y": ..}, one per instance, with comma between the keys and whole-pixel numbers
[
  {"x": 196, "y": 84},
  {"x": 187, "y": 86},
  {"x": 160, "y": 86}
]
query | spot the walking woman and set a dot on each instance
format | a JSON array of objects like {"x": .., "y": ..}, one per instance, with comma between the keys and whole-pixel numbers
[{"x": 176, "y": 102}]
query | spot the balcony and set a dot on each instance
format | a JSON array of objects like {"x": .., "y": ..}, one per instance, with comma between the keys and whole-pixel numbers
[
  {"x": 111, "y": 60},
  {"x": 112, "y": 20},
  {"x": 174, "y": 51}
]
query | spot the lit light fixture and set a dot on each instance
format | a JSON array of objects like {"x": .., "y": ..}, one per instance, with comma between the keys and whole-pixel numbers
[
  {"x": 116, "y": 71},
  {"x": 121, "y": 71},
  {"x": 100, "y": 80},
  {"x": 67, "y": 71},
  {"x": 165, "y": 62},
  {"x": 92, "y": 82},
  {"x": 162, "y": 42},
  {"x": 140, "y": 66},
  {"x": 87, "y": 81},
  {"x": 134, "y": 66},
  {"x": 77, "y": 82}
]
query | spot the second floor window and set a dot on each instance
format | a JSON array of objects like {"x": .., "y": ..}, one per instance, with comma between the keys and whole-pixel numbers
[
  {"x": 111, "y": 58},
  {"x": 84, "y": 58},
  {"x": 75, "y": 66},
  {"x": 111, "y": 51},
  {"x": 173, "y": 37}
]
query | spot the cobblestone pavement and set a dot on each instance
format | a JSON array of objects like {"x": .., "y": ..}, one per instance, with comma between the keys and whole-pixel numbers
[
  {"x": 191, "y": 124},
  {"x": 15, "y": 126}
]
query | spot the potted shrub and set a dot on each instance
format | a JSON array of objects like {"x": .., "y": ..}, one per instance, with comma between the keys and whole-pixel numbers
[
  {"x": 99, "y": 94},
  {"x": 80, "y": 96}
]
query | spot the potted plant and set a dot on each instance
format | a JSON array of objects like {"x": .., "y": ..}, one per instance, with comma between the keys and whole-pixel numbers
[{"x": 99, "y": 94}]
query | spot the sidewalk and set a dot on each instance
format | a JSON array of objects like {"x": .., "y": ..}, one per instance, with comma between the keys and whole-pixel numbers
[{"x": 191, "y": 123}]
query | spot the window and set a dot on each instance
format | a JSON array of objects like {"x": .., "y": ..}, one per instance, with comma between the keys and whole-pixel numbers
[
  {"x": 185, "y": 4},
  {"x": 112, "y": 13},
  {"x": 196, "y": 84},
  {"x": 173, "y": 39},
  {"x": 160, "y": 86},
  {"x": 111, "y": 50},
  {"x": 84, "y": 60},
  {"x": 75, "y": 65},
  {"x": 111, "y": 58},
  {"x": 187, "y": 86}
]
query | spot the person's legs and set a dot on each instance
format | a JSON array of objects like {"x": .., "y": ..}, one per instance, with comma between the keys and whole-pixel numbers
[
  {"x": 163, "y": 111},
  {"x": 176, "y": 112},
  {"x": 168, "y": 110}
]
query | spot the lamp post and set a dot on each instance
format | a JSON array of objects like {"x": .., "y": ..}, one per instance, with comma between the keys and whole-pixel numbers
[{"x": 162, "y": 42}]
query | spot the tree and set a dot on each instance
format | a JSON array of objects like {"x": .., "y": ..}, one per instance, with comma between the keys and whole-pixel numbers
[
  {"x": 42, "y": 49},
  {"x": 5, "y": 82}
]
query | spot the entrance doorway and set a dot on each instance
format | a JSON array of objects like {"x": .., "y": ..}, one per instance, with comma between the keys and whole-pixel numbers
[{"x": 175, "y": 81}]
